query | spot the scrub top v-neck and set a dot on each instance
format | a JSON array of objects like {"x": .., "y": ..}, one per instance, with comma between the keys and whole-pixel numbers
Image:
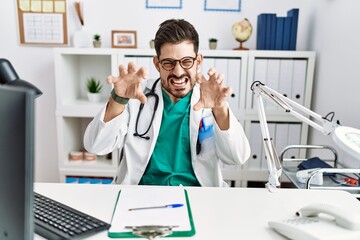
[{"x": 170, "y": 163}]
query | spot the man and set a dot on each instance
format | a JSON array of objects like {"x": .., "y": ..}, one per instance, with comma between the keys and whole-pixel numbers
[{"x": 175, "y": 130}]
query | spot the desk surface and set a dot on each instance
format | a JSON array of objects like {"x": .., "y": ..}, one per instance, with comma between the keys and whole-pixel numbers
[{"x": 218, "y": 213}]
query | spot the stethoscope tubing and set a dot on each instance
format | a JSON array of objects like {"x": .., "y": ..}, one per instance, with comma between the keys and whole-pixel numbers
[{"x": 152, "y": 93}]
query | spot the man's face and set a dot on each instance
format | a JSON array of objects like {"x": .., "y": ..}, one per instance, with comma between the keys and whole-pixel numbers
[{"x": 177, "y": 77}]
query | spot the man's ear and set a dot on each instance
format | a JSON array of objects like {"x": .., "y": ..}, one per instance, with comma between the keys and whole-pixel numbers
[
  {"x": 199, "y": 59},
  {"x": 156, "y": 63}
]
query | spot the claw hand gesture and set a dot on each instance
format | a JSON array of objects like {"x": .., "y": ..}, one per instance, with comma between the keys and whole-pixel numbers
[
  {"x": 212, "y": 92},
  {"x": 128, "y": 83}
]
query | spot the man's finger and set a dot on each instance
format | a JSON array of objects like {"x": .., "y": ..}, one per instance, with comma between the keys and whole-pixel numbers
[
  {"x": 227, "y": 91},
  {"x": 211, "y": 71},
  {"x": 199, "y": 105},
  {"x": 142, "y": 73},
  {"x": 132, "y": 67},
  {"x": 122, "y": 70},
  {"x": 111, "y": 79},
  {"x": 142, "y": 98},
  {"x": 220, "y": 78},
  {"x": 199, "y": 77}
]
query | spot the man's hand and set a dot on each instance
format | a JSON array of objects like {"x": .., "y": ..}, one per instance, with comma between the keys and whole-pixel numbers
[
  {"x": 212, "y": 92},
  {"x": 128, "y": 83}
]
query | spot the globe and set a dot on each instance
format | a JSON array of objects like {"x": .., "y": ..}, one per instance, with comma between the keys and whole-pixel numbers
[{"x": 242, "y": 31}]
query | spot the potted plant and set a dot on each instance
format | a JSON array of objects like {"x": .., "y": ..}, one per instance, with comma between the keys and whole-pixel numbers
[
  {"x": 94, "y": 88},
  {"x": 97, "y": 40},
  {"x": 152, "y": 43},
  {"x": 213, "y": 43}
]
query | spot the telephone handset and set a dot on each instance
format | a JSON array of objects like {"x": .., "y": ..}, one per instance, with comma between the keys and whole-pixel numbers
[{"x": 320, "y": 221}]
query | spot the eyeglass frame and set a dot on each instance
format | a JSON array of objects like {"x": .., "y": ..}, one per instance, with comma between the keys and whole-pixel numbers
[{"x": 174, "y": 61}]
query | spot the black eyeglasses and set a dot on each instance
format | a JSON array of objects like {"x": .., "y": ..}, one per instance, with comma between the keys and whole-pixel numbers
[{"x": 169, "y": 64}]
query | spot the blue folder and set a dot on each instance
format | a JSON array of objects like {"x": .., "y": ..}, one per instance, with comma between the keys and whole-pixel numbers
[{"x": 294, "y": 13}]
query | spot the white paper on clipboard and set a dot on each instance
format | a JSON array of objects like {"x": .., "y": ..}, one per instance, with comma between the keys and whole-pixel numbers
[{"x": 148, "y": 197}]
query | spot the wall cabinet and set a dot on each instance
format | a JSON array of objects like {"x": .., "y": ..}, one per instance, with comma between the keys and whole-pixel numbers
[{"x": 288, "y": 72}]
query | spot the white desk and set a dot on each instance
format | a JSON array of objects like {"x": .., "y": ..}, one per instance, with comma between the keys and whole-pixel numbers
[{"x": 218, "y": 213}]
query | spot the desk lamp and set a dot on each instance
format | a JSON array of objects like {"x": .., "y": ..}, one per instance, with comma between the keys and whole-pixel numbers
[
  {"x": 9, "y": 76},
  {"x": 347, "y": 138}
]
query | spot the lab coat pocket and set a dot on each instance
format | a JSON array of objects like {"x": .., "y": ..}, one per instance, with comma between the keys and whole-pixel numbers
[
  {"x": 206, "y": 137},
  {"x": 207, "y": 149}
]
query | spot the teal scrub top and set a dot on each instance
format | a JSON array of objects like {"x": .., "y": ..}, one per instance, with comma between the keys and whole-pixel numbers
[{"x": 170, "y": 163}]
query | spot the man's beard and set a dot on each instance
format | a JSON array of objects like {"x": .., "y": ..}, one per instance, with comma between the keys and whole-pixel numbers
[{"x": 178, "y": 93}]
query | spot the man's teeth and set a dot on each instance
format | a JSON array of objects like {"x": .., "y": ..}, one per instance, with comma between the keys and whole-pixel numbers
[{"x": 179, "y": 82}]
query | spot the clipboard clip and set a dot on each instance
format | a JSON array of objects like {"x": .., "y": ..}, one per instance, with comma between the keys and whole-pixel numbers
[{"x": 151, "y": 231}]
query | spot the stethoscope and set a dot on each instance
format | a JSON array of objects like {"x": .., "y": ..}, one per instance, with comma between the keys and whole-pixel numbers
[
  {"x": 142, "y": 135},
  {"x": 149, "y": 94}
]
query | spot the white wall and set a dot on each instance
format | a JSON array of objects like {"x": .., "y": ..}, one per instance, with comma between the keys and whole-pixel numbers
[
  {"x": 337, "y": 82},
  {"x": 324, "y": 26}
]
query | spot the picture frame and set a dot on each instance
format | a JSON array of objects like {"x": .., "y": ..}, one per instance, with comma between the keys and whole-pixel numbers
[
  {"x": 166, "y": 4},
  {"x": 222, "y": 5},
  {"x": 123, "y": 39}
]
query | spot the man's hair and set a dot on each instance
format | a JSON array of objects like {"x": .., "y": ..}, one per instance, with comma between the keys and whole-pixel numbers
[{"x": 176, "y": 31}]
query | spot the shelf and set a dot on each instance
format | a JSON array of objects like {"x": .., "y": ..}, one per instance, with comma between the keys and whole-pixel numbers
[
  {"x": 282, "y": 54},
  {"x": 85, "y": 51},
  {"x": 100, "y": 164},
  {"x": 79, "y": 108},
  {"x": 86, "y": 172},
  {"x": 289, "y": 72}
]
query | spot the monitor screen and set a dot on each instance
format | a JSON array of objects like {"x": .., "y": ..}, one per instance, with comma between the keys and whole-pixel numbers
[{"x": 16, "y": 159}]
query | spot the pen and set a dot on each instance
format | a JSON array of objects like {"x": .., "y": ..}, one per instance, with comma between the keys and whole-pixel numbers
[
  {"x": 176, "y": 205},
  {"x": 202, "y": 125}
]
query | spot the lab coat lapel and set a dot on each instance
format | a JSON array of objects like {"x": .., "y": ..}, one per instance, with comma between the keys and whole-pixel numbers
[
  {"x": 195, "y": 118},
  {"x": 159, "y": 111}
]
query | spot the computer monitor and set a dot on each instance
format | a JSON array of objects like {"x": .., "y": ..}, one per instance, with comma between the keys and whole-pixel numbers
[{"x": 16, "y": 162}]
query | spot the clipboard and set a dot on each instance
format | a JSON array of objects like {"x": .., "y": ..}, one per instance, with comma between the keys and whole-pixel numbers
[{"x": 146, "y": 197}]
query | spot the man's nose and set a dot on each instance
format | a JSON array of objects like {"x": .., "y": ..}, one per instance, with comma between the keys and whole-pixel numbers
[{"x": 178, "y": 68}]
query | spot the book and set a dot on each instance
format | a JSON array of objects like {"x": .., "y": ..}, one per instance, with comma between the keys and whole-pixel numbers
[
  {"x": 294, "y": 13},
  {"x": 261, "y": 32},
  {"x": 138, "y": 207},
  {"x": 272, "y": 31},
  {"x": 279, "y": 33},
  {"x": 286, "y": 34}
]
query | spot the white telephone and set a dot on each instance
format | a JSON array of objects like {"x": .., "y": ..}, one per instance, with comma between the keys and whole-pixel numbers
[{"x": 319, "y": 222}]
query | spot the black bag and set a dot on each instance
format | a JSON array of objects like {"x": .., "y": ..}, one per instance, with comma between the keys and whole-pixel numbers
[{"x": 315, "y": 162}]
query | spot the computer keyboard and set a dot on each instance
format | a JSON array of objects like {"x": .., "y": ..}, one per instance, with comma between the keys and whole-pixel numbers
[{"x": 54, "y": 220}]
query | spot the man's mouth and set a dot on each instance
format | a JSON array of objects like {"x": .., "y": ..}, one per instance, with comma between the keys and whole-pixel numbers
[{"x": 179, "y": 82}]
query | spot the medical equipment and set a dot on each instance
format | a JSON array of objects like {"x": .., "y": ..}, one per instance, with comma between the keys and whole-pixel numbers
[
  {"x": 346, "y": 137},
  {"x": 156, "y": 97}
]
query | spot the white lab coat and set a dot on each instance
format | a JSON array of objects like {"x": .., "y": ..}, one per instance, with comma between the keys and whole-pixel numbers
[{"x": 230, "y": 146}]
